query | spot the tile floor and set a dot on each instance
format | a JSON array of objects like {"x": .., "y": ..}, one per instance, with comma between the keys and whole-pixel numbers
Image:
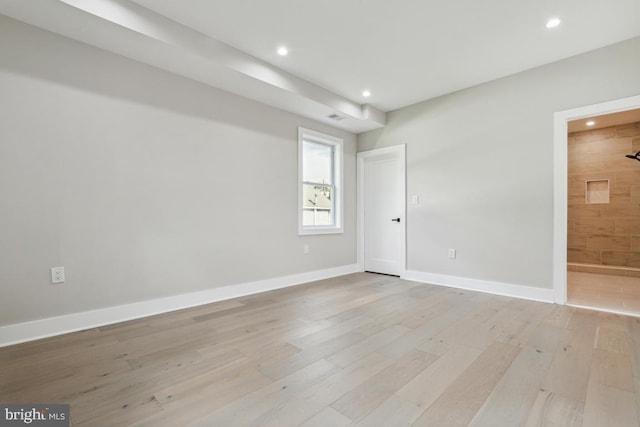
[{"x": 606, "y": 292}]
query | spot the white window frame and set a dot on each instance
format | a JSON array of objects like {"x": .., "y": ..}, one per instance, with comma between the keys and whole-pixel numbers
[{"x": 337, "y": 144}]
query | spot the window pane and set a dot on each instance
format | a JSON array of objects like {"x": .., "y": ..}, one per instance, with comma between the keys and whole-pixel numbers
[
  {"x": 317, "y": 205},
  {"x": 317, "y": 162}
]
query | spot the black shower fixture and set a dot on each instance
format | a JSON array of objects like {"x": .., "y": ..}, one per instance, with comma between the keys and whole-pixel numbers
[{"x": 634, "y": 156}]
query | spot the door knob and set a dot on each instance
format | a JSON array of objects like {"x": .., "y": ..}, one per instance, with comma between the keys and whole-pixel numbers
[{"x": 396, "y": 220}]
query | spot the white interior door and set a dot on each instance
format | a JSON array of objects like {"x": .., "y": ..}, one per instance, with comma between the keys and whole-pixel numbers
[{"x": 382, "y": 187}]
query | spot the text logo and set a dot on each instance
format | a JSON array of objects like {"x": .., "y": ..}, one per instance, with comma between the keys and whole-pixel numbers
[{"x": 41, "y": 415}]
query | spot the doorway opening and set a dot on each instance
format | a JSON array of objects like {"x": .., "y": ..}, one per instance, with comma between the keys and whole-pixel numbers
[
  {"x": 597, "y": 206},
  {"x": 603, "y": 213}
]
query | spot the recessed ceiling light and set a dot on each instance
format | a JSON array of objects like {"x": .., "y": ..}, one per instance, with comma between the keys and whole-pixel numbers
[
  {"x": 283, "y": 51},
  {"x": 553, "y": 22},
  {"x": 366, "y": 93},
  {"x": 590, "y": 123}
]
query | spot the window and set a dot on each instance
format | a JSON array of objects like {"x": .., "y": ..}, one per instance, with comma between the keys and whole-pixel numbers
[{"x": 319, "y": 183}]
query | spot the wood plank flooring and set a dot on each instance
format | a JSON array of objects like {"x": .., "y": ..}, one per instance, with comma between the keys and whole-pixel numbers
[{"x": 357, "y": 350}]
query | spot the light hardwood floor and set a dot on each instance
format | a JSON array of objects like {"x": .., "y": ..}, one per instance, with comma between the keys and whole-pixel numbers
[
  {"x": 361, "y": 349},
  {"x": 606, "y": 292}
]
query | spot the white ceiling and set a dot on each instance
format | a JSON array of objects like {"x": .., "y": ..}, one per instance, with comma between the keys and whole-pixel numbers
[{"x": 404, "y": 51}]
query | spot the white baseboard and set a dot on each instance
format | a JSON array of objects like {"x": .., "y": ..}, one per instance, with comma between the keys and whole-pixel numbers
[
  {"x": 42, "y": 328},
  {"x": 497, "y": 288}
]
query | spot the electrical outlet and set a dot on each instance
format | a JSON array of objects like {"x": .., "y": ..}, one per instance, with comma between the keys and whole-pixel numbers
[
  {"x": 452, "y": 254},
  {"x": 305, "y": 249},
  {"x": 57, "y": 275},
  {"x": 415, "y": 200}
]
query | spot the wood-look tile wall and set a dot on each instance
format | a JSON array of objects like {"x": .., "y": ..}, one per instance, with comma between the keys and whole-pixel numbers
[{"x": 607, "y": 233}]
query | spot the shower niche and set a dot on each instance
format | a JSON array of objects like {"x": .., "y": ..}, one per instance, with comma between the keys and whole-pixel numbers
[{"x": 597, "y": 191}]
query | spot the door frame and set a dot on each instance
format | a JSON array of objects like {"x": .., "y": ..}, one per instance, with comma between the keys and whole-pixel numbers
[
  {"x": 560, "y": 174},
  {"x": 400, "y": 152}
]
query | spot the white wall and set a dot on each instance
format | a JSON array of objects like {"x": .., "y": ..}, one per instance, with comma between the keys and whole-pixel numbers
[
  {"x": 481, "y": 161},
  {"x": 140, "y": 183}
]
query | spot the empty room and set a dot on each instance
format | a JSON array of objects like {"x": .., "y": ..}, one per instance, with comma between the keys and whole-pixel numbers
[{"x": 341, "y": 213}]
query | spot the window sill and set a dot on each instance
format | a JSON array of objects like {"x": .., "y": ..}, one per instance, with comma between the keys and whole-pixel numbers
[{"x": 312, "y": 231}]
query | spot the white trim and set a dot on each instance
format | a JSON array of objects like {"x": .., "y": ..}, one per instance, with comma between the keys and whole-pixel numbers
[
  {"x": 496, "y": 288},
  {"x": 360, "y": 211},
  {"x": 338, "y": 183},
  {"x": 560, "y": 173},
  {"x": 28, "y": 331},
  {"x": 399, "y": 150}
]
